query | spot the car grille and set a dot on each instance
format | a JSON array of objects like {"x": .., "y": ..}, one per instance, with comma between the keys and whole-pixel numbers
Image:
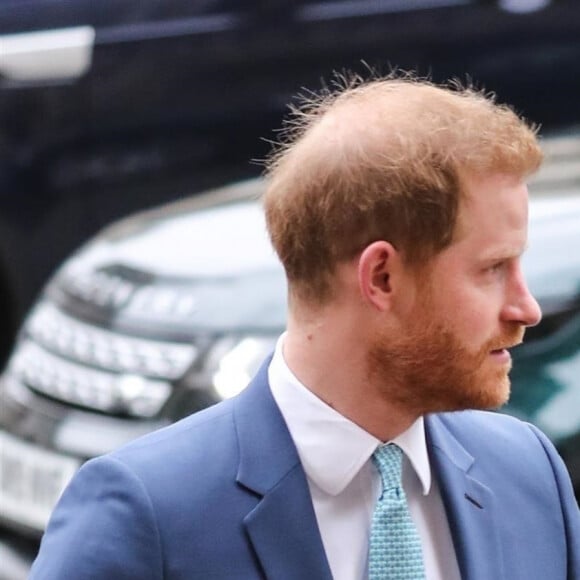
[{"x": 69, "y": 360}]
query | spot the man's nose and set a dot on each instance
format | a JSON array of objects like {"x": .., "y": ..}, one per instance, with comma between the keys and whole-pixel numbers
[{"x": 522, "y": 307}]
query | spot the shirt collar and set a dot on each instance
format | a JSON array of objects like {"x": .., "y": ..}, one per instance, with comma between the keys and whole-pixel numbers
[{"x": 332, "y": 448}]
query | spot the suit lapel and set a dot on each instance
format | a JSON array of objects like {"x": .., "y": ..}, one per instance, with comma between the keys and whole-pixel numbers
[
  {"x": 469, "y": 505},
  {"x": 282, "y": 528}
]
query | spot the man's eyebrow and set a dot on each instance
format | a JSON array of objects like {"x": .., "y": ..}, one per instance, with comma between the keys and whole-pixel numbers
[{"x": 505, "y": 253}]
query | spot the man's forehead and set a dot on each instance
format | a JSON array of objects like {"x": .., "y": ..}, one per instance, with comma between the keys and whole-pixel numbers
[{"x": 494, "y": 211}]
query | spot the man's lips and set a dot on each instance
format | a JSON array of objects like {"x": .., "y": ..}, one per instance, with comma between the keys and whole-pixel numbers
[
  {"x": 501, "y": 355},
  {"x": 499, "y": 348}
]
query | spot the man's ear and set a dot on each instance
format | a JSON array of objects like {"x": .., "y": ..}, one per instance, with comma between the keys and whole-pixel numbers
[{"x": 376, "y": 266}]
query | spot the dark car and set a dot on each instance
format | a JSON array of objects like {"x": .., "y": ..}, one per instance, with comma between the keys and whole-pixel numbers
[
  {"x": 110, "y": 107},
  {"x": 160, "y": 315},
  {"x": 173, "y": 309}
]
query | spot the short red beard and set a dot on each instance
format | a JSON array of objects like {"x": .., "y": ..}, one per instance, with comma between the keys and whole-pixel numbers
[{"x": 428, "y": 370}]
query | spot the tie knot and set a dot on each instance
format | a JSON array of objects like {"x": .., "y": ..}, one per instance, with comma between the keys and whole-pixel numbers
[{"x": 388, "y": 460}]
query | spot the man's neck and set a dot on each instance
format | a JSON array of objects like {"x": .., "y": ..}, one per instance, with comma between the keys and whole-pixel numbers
[{"x": 335, "y": 371}]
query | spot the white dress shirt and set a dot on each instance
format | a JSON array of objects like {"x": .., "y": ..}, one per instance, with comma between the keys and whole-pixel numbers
[{"x": 345, "y": 485}]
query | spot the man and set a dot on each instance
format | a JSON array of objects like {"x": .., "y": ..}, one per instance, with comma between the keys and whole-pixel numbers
[{"x": 399, "y": 211}]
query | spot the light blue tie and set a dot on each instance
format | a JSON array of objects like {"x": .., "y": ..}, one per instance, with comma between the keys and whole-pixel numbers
[{"x": 395, "y": 546}]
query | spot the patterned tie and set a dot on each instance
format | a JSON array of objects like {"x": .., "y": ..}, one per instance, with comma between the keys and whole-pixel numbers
[{"x": 394, "y": 546}]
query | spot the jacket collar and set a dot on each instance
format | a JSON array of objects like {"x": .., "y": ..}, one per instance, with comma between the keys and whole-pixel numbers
[
  {"x": 470, "y": 505},
  {"x": 282, "y": 527}
]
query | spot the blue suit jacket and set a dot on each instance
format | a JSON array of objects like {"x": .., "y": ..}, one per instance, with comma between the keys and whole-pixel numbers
[{"x": 222, "y": 494}]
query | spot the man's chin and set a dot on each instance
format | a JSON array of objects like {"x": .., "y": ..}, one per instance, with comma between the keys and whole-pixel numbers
[
  {"x": 496, "y": 402},
  {"x": 489, "y": 396},
  {"x": 492, "y": 396}
]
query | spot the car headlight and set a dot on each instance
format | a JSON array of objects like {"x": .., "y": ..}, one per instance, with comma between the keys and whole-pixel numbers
[{"x": 237, "y": 365}]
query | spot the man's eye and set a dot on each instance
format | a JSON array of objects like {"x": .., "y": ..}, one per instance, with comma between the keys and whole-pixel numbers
[{"x": 496, "y": 267}]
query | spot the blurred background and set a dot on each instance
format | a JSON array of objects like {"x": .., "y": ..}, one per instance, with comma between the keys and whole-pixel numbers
[{"x": 121, "y": 106}]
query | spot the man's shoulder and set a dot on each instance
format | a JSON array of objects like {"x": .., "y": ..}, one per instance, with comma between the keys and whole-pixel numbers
[
  {"x": 186, "y": 445},
  {"x": 494, "y": 440},
  {"x": 483, "y": 428},
  {"x": 485, "y": 420},
  {"x": 203, "y": 447},
  {"x": 190, "y": 429}
]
